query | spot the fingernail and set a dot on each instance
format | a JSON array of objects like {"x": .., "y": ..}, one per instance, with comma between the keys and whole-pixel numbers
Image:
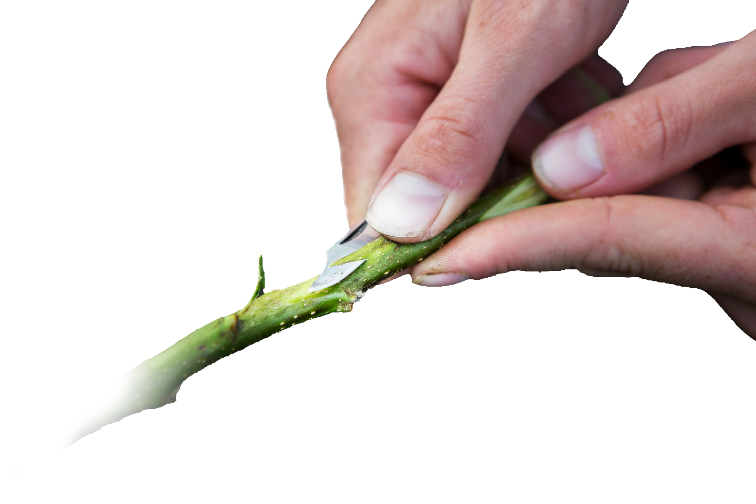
[
  {"x": 439, "y": 280},
  {"x": 406, "y": 206},
  {"x": 569, "y": 160}
]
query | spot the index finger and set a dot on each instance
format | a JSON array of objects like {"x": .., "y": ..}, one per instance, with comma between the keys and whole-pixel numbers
[{"x": 381, "y": 83}]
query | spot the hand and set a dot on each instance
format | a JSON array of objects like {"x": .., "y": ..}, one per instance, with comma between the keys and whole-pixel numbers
[
  {"x": 427, "y": 92},
  {"x": 689, "y": 229}
]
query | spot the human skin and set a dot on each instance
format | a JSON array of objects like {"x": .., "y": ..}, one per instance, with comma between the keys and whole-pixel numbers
[{"x": 427, "y": 95}]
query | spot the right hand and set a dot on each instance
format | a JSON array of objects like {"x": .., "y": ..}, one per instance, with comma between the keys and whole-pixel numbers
[{"x": 427, "y": 93}]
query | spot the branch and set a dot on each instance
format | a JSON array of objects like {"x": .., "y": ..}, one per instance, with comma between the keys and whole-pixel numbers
[{"x": 155, "y": 382}]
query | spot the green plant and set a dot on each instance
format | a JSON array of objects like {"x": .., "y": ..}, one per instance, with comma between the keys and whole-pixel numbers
[{"x": 155, "y": 382}]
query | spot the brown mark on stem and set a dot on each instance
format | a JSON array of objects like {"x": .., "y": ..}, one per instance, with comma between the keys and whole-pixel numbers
[{"x": 235, "y": 326}]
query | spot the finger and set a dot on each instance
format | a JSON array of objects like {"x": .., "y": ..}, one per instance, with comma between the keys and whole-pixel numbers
[
  {"x": 727, "y": 168},
  {"x": 663, "y": 66},
  {"x": 636, "y": 141},
  {"x": 367, "y": 137},
  {"x": 668, "y": 64},
  {"x": 450, "y": 155},
  {"x": 741, "y": 312},
  {"x": 686, "y": 185},
  {"x": 381, "y": 83},
  {"x": 743, "y": 196},
  {"x": 582, "y": 88},
  {"x": 681, "y": 242}
]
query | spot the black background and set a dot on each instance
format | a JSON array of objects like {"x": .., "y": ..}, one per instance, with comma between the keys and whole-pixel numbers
[{"x": 213, "y": 142}]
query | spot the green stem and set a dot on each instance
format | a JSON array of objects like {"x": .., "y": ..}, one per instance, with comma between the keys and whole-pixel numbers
[{"x": 155, "y": 382}]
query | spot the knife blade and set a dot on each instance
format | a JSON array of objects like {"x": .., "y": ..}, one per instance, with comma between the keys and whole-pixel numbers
[{"x": 356, "y": 238}]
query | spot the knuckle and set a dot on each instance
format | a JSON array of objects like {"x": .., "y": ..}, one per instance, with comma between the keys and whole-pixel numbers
[
  {"x": 345, "y": 68},
  {"x": 541, "y": 19},
  {"x": 608, "y": 251},
  {"x": 519, "y": 17},
  {"x": 655, "y": 125},
  {"x": 334, "y": 80},
  {"x": 453, "y": 133}
]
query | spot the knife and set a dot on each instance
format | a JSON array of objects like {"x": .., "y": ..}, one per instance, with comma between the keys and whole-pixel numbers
[{"x": 356, "y": 238}]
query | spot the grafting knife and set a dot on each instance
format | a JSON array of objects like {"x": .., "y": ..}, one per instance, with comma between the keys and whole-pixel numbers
[{"x": 357, "y": 237}]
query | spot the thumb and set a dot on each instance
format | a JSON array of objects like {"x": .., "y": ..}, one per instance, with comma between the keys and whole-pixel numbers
[
  {"x": 450, "y": 155},
  {"x": 637, "y": 141},
  {"x": 675, "y": 241}
]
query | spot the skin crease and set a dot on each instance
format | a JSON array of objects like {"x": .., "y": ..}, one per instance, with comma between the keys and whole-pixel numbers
[{"x": 432, "y": 87}]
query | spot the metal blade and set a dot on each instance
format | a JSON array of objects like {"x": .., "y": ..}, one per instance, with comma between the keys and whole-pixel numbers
[
  {"x": 357, "y": 237},
  {"x": 333, "y": 275}
]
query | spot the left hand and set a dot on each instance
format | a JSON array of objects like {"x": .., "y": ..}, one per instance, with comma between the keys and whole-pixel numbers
[{"x": 685, "y": 107}]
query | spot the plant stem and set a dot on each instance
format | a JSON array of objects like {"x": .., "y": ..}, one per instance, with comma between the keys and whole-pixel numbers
[{"x": 155, "y": 382}]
